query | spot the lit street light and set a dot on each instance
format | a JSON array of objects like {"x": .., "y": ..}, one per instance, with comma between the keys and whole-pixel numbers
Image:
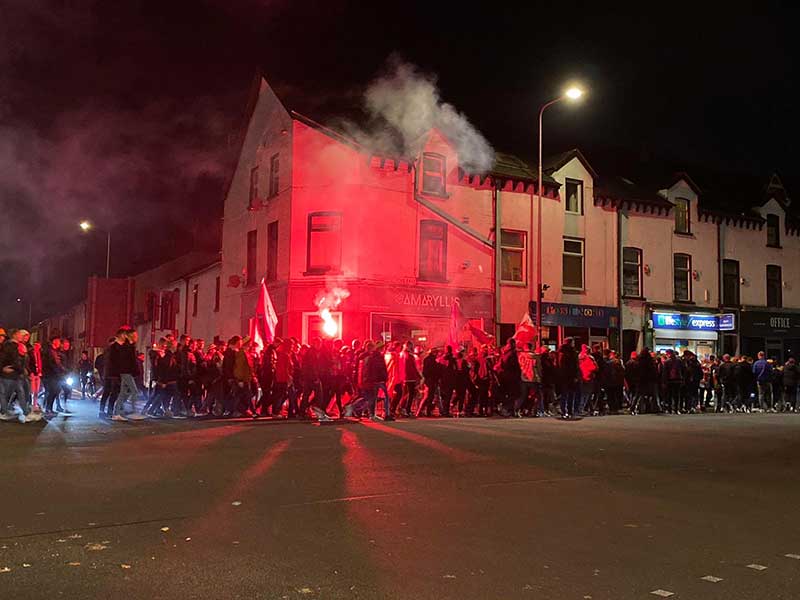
[
  {"x": 572, "y": 94},
  {"x": 87, "y": 226}
]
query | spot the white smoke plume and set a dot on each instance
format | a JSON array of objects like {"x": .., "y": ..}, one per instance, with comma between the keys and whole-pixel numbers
[{"x": 404, "y": 105}]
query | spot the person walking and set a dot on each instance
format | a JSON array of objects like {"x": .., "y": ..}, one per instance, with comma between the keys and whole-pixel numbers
[
  {"x": 791, "y": 379},
  {"x": 569, "y": 377},
  {"x": 530, "y": 382},
  {"x": 589, "y": 370},
  {"x": 672, "y": 377},
  {"x": 431, "y": 376},
  {"x": 762, "y": 371},
  {"x": 128, "y": 371},
  {"x": 53, "y": 373},
  {"x": 13, "y": 375}
]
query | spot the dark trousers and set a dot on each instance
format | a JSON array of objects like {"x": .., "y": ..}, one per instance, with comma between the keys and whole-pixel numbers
[
  {"x": 482, "y": 397},
  {"x": 165, "y": 398},
  {"x": 614, "y": 395},
  {"x": 526, "y": 389},
  {"x": 309, "y": 388},
  {"x": 110, "y": 392},
  {"x": 52, "y": 388},
  {"x": 446, "y": 398},
  {"x": 570, "y": 399},
  {"x": 674, "y": 395},
  {"x": 426, "y": 406}
]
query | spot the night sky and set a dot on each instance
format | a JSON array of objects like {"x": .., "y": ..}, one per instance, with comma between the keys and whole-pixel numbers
[{"x": 126, "y": 113}]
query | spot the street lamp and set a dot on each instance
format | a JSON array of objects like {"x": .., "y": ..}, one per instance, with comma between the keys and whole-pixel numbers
[
  {"x": 30, "y": 311},
  {"x": 571, "y": 94},
  {"x": 87, "y": 226}
]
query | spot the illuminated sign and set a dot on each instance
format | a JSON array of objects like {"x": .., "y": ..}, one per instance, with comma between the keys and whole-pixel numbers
[
  {"x": 727, "y": 322},
  {"x": 681, "y": 321}
]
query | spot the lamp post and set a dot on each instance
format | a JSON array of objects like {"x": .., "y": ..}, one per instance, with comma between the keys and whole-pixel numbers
[
  {"x": 87, "y": 226},
  {"x": 30, "y": 311},
  {"x": 571, "y": 94}
]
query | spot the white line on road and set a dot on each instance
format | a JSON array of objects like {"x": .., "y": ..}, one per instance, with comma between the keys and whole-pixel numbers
[
  {"x": 794, "y": 556},
  {"x": 756, "y": 567},
  {"x": 662, "y": 593},
  {"x": 711, "y": 578}
]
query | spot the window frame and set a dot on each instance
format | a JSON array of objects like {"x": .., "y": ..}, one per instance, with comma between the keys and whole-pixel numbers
[
  {"x": 777, "y": 221},
  {"x": 579, "y": 184},
  {"x": 272, "y": 251},
  {"x": 195, "y": 294},
  {"x": 582, "y": 255},
  {"x": 251, "y": 258},
  {"x": 441, "y": 174},
  {"x": 252, "y": 201},
  {"x": 274, "y": 174},
  {"x": 322, "y": 269},
  {"x": 423, "y": 274},
  {"x": 738, "y": 282},
  {"x": 639, "y": 270},
  {"x": 523, "y": 250},
  {"x": 689, "y": 277},
  {"x": 688, "y": 203},
  {"x": 779, "y": 285}
]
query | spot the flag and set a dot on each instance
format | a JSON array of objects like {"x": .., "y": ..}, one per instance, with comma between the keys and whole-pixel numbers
[
  {"x": 266, "y": 320},
  {"x": 457, "y": 323},
  {"x": 526, "y": 331}
]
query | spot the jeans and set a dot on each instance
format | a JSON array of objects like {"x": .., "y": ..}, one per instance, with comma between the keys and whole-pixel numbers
[
  {"x": 127, "y": 391},
  {"x": 10, "y": 387},
  {"x": 587, "y": 390},
  {"x": 52, "y": 388},
  {"x": 165, "y": 396},
  {"x": 569, "y": 399},
  {"x": 765, "y": 399},
  {"x": 674, "y": 395}
]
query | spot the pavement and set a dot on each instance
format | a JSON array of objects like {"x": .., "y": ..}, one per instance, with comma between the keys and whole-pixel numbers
[{"x": 695, "y": 506}]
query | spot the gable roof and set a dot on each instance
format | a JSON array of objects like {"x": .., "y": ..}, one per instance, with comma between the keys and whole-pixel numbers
[{"x": 555, "y": 162}]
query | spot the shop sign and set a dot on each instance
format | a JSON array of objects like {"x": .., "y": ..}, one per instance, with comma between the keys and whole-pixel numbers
[
  {"x": 576, "y": 315},
  {"x": 769, "y": 324},
  {"x": 727, "y": 322},
  {"x": 682, "y": 321}
]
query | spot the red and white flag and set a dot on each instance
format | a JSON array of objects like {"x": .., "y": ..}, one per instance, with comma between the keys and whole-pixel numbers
[
  {"x": 266, "y": 319},
  {"x": 526, "y": 331}
]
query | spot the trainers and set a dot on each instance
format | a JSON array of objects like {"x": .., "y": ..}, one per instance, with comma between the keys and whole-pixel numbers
[
  {"x": 8, "y": 417},
  {"x": 118, "y": 418},
  {"x": 137, "y": 417},
  {"x": 33, "y": 417}
]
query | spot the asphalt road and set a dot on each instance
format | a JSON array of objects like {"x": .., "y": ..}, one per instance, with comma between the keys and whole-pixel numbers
[{"x": 603, "y": 508}]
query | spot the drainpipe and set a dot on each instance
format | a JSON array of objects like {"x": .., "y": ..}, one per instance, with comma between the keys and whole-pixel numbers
[
  {"x": 619, "y": 283},
  {"x": 496, "y": 260},
  {"x": 186, "y": 310}
]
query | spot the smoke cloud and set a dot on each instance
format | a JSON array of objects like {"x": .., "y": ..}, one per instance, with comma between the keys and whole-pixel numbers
[{"x": 404, "y": 104}]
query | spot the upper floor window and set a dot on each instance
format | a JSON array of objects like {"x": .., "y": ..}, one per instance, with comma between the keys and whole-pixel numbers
[
  {"x": 433, "y": 250},
  {"x": 274, "y": 180},
  {"x": 252, "y": 257},
  {"x": 512, "y": 255},
  {"x": 253, "y": 199},
  {"x": 272, "y": 251},
  {"x": 632, "y": 272},
  {"x": 324, "y": 249},
  {"x": 195, "y": 294},
  {"x": 572, "y": 263},
  {"x": 682, "y": 277},
  {"x": 574, "y": 193},
  {"x": 433, "y": 174},
  {"x": 774, "y": 286},
  {"x": 730, "y": 282},
  {"x": 682, "y": 221},
  {"x": 773, "y": 231}
]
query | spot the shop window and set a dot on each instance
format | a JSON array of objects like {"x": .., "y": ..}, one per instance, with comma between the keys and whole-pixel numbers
[
  {"x": 217, "y": 290},
  {"x": 272, "y": 251},
  {"x": 195, "y": 294},
  {"x": 253, "y": 200},
  {"x": 572, "y": 264},
  {"x": 682, "y": 277},
  {"x": 252, "y": 257},
  {"x": 773, "y": 231},
  {"x": 433, "y": 174},
  {"x": 730, "y": 282},
  {"x": 433, "y": 251},
  {"x": 574, "y": 193},
  {"x": 774, "y": 286},
  {"x": 682, "y": 220},
  {"x": 324, "y": 250},
  {"x": 512, "y": 256},
  {"x": 274, "y": 169},
  {"x": 632, "y": 272}
]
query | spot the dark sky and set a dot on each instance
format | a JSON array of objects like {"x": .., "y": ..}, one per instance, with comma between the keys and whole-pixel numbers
[{"x": 125, "y": 112}]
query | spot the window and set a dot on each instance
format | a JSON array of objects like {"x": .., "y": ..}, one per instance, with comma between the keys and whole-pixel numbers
[
  {"x": 324, "y": 250},
  {"x": 217, "y": 289},
  {"x": 433, "y": 250},
  {"x": 682, "y": 224},
  {"x": 682, "y": 277},
  {"x": 272, "y": 251},
  {"x": 512, "y": 255},
  {"x": 730, "y": 282},
  {"x": 632, "y": 272},
  {"x": 167, "y": 314},
  {"x": 773, "y": 231},
  {"x": 572, "y": 264},
  {"x": 195, "y": 293},
  {"x": 253, "y": 187},
  {"x": 252, "y": 256},
  {"x": 274, "y": 169},
  {"x": 774, "y": 286},
  {"x": 433, "y": 170},
  {"x": 574, "y": 192}
]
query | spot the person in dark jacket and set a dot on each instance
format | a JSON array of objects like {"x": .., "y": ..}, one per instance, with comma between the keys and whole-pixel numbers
[
  {"x": 745, "y": 381},
  {"x": 672, "y": 377},
  {"x": 128, "y": 371},
  {"x": 693, "y": 375},
  {"x": 431, "y": 374},
  {"x": 167, "y": 402},
  {"x": 648, "y": 382},
  {"x": 13, "y": 376},
  {"x": 53, "y": 373},
  {"x": 632, "y": 381},
  {"x": 791, "y": 379},
  {"x": 613, "y": 375},
  {"x": 86, "y": 374},
  {"x": 726, "y": 374},
  {"x": 510, "y": 375},
  {"x": 762, "y": 373},
  {"x": 375, "y": 377},
  {"x": 449, "y": 373},
  {"x": 569, "y": 378}
]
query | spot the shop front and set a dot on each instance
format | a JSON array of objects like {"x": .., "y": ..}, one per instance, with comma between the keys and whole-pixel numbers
[
  {"x": 585, "y": 323},
  {"x": 776, "y": 333},
  {"x": 698, "y": 332}
]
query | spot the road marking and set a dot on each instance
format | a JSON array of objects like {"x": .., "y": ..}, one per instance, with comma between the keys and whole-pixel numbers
[
  {"x": 794, "y": 556},
  {"x": 662, "y": 593},
  {"x": 756, "y": 567},
  {"x": 711, "y": 578}
]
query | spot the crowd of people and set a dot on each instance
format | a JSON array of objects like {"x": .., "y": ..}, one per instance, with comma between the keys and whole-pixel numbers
[{"x": 329, "y": 379}]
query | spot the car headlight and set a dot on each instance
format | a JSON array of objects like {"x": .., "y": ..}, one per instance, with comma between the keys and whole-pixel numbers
[{"x": 70, "y": 381}]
